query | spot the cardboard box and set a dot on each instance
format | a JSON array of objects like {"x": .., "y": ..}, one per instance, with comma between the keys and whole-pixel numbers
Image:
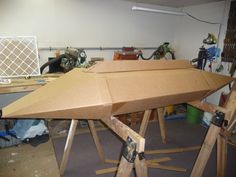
[{"x": 116, "y": 87}]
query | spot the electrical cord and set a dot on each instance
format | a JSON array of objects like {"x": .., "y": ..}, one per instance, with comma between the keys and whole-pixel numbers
[
  {"x": 141, "y": 55},
  {"x": 198, "y": 19}
]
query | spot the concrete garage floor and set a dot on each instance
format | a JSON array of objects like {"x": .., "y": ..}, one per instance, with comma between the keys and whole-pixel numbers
[
  {"x": 28, "y": 161},
  {"x": 84, "y": 161}
]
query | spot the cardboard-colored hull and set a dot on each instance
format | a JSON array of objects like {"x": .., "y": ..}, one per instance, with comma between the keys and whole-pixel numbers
[{"x": 116, "y": 87}]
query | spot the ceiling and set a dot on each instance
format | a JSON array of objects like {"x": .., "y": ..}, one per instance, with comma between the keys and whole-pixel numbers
[{"x": 174, "y": 3}]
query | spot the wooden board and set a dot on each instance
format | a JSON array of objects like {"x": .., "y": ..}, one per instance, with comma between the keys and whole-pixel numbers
[
  {"x": 25, "y": 85},
  {"x": 140, "y": 65}
]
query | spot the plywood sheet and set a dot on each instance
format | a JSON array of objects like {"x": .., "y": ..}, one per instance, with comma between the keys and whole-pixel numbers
[
  {"x": 138, "y": 65},
  {"x": 138, "y": 91},
  {"x": 83, "y": 95},
  {"x": 215, "y": 81},
  {"x": 73, "y": 95}
]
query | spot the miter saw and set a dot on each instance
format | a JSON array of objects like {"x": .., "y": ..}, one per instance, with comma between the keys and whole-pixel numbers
[{"x": 72, "y": 58}]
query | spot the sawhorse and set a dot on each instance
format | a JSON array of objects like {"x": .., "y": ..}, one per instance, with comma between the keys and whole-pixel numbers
[{"x": 224, "y": 120}]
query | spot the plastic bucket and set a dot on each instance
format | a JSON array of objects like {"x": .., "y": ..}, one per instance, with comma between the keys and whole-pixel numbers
[{"x": 194, "y": 115}]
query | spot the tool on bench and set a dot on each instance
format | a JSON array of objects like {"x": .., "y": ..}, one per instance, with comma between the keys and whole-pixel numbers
[
  {"x": 127, "y": 53},
  {"x": 70, "y": 59}
]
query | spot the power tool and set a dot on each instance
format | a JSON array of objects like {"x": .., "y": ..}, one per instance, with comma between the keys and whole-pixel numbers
[{"x": 70, "y": 59}]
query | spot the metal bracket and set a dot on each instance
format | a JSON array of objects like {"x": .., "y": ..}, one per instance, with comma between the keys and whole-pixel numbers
[
  {"x": 141, "y": 155},
  {"x": 219, "y": 119},
  {"x": 129, "y": 151}
]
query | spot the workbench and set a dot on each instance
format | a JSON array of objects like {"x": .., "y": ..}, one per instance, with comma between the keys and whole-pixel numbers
[{"x": 19, "y": 85}]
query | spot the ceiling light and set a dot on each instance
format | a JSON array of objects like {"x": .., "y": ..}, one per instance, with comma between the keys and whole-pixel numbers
[{"x": 135, "y": 8}]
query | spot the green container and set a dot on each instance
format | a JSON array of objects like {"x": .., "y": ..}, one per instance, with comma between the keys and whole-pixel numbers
[{"x": 194, "y": 115}]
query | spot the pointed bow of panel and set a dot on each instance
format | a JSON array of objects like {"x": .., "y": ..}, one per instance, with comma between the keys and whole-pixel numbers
[{"x": 116, "y": 87}]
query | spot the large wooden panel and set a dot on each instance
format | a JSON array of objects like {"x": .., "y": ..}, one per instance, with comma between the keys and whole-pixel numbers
[{"x": 83, "y": 95}]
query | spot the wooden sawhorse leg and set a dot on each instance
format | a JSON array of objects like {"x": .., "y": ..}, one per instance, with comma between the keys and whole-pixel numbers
[
  {"x": 69, "y": 142},
  {"x": 142, "y": 131},
  {"x": 144, "y": 123},
  {"x": 222, "y": 140},
  {"x": 71, "y": 134},
  {"x": 160, "y": 114},
  {"x": 96, "y": 140},
  {"x": 212, "y": 135},
  {"x": 205, "y": 151},
  {"x": 146, "y": 118},
  {"x": 125, "y": 168},
  {"x": 153, "y": 164},
  {"x": 125, "y": 132},
  {"x": 221, "y": 155},
  {"x": 68, "y": 145},
  {"x": 222, "y": 143}
]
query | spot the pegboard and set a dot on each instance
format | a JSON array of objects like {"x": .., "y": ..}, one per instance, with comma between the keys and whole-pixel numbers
[
  {"x": 19, "y": 57},
  {"x": 229, "y": 51}
]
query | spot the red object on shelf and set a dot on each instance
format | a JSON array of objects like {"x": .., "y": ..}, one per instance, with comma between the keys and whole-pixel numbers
[{"x": 127, "y": 53}]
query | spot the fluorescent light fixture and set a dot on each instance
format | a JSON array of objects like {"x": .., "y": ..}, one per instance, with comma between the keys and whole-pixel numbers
[{"x": 135, "y": 8}]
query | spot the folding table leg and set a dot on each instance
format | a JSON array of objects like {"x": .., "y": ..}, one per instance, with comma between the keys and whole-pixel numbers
[{"x": 68, "y": 145}]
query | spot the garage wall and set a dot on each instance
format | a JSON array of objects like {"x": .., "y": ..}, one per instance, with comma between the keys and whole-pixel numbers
[
  {"x": 85, "y": 23},
  {"x": 190, "y": 32}
]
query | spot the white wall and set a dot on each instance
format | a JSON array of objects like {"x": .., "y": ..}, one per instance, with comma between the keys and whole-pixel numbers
[
  {"x": 85, "y": 23},
  {"x": 190, "y": 33}
]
